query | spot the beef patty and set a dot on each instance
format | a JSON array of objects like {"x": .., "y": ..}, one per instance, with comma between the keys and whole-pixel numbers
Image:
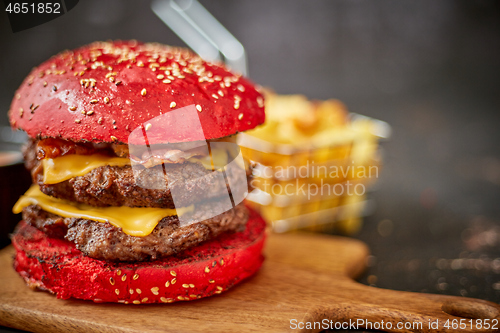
[
  {"x": 105, "y": 241},
  {"x": 118, "y": 186}
]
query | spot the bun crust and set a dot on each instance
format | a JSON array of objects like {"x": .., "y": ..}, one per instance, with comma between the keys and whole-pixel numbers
[
  {"x": 211, "y": 268},
  {"x": 103, "y": 91}
]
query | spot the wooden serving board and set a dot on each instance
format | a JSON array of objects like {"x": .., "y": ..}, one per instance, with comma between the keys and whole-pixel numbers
[{"x": 305, "y": 277}]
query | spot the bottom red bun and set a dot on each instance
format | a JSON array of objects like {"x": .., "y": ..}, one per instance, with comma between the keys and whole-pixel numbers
[{"x": 211, "y": 268}]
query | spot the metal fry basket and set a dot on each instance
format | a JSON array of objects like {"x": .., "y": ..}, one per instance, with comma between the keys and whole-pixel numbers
[{"x": 319, "y": 181}]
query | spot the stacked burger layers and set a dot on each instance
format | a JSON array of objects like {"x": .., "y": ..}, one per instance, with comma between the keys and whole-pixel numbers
[{"x": 138, "y": 184}]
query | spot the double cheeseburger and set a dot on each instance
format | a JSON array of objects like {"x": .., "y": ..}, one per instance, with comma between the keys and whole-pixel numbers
[{"x": 132, "y": 198}]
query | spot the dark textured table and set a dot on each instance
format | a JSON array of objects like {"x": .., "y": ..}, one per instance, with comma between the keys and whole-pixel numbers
[{"x": 430, "y": 69}]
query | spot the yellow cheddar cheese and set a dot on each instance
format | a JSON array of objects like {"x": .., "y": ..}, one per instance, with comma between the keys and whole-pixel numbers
[
  {"x": 134, "y": 221},
  {"x": 56, "y": 170}
]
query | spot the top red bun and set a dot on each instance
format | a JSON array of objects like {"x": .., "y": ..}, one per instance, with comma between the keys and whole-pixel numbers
[{"x": 103, "y": 91}]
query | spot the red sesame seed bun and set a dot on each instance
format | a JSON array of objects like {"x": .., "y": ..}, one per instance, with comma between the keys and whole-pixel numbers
[
  {"x": 211, "y": 268},
  {"x": 103, "y": 91}
]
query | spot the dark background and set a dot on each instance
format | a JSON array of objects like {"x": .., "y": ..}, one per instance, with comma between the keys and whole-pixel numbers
[{"x": 429, "y": 68}]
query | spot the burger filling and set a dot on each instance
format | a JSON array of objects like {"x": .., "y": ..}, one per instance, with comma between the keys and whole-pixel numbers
[
  {"x": 105, "y": 241},
  {"x": 104, "y": 179},
  {"x": 109, "y": 200}
]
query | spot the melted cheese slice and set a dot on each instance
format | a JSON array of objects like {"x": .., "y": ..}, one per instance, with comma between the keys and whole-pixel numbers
[
  {"x": 134, "y": 221},
  {"x": 57, "y": 170}
]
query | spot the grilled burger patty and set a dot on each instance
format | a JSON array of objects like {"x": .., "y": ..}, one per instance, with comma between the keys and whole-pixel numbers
[
  {"x": 116, "y": 185},
  {"x": 104, "y": 241}
]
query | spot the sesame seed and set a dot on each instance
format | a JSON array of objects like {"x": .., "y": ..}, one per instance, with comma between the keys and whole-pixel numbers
[
  {"x": 166, "y": 81},
  {"x": 215, "y": 96},
  {"x": 211, "y": 281},
  {"x": 77, "y": 121},
  {"x": 221, "y": 94},
  {"x": 260, "y": 102},
  {"x": 90, "y": 112},
  {"x": 21, "y": 112},
  {"x": 140, "y": 64},
  {"x": 173, "y": 273},
  {"x": 160, "y": 76},
  {"x": 236, "y": 105},
  {"x": 144, "y": 300},
  {"x": 192, "y": 296},
  {"x": 45, "y": 83},
  {"x": 241, "y": 88},
  {"x": 198, "y": 107},
  {"x": 222, "y": 262},
  {"x": 124, "y": 277},
  {"x": 174, "y": 280},
  {"x": 117, "y": 291},
  {"x": 131, "y": 291},
  {"x": 144, "y": 92},
  {"x": 112, "y": 281},
  {"x": 180, "y": 298},
  {"x": 100, "y": 121},
  {"x": 154, "y": 290},
  {"x": 185, "y": 285},
  {"x": 136, "y": 276},
  {"x": 207, "y": 269},
  {"x": 164, "y": 300},
  {"x": 94, "y": 101},
  {"x": 54, "y": 88},
  {"x": 214, "y": 263},
  {"x": 218, "y": 291},
  {"x": 118, "y": 83},
  {"x": 18, "y": 96},
  {"x": 139, "y": 291},
  {"x": 191, "y": 285},
  {"x": 106, "y": 100},
  {"x": 112, "y": 79},
  {"x": 240, "y": 116},
  {"x": 167, "y": 284},
  {"x": 148, "y": 127},
  {"x": 217, "y": 78},
  {"x": 82, "y": 112},
  {"x": 113, "y": 138},
  {"x": 136, "y": 302},
  {"x": 170, "y": 77},
  {"x": 119, "y": 272},
  {"x": 219, "y": 288}
]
